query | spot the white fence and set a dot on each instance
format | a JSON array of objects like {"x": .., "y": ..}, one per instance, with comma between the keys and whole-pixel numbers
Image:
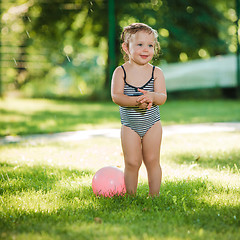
[{"x": 214, "y": 72}]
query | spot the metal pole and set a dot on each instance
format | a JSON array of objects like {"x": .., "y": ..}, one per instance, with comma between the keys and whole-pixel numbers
[
  {"x": 111, "y": 40},
  {"x": 238, "y": 46},
  {"x": 0, "y": 48}
]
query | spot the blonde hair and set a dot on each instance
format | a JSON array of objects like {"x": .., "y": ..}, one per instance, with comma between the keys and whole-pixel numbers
[{"x": 133, "y": 28}]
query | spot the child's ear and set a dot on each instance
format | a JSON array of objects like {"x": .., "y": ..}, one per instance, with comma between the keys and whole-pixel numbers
[{"x": 125, "y": 48}]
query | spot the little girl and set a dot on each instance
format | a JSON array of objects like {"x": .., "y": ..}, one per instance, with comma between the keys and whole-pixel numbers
[{"x": 138, "y": 88}]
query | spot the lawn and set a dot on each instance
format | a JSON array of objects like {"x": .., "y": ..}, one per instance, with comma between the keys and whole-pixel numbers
[
  {"x": 46, "y": 191},
  {"x": 29, "y": 116},
  {"x": 45, "y": 188}
]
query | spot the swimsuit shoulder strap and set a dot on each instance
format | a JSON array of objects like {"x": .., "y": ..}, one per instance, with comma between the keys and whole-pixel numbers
[
  {"x": 124, "y": 73},
  {"x": 153, "y": 72}
]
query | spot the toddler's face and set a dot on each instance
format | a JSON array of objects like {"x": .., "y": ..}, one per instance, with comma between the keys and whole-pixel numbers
[{"x": 141, "y": 47}]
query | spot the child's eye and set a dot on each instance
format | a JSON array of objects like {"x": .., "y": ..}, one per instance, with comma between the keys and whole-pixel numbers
[
  {"x": 140, "y": 44},
  {"x": 150, "y": 45}
]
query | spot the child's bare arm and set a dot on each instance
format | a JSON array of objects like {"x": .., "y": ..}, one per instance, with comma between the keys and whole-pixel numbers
[{"x": 117, "y": 90}]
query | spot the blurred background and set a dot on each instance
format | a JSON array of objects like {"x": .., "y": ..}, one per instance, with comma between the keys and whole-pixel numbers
[{"x": 69, "y": 48}]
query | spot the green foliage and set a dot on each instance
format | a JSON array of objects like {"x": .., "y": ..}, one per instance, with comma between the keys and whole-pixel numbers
[
  {"x": 183, "y": 26},
  {"x": 63, "y": 45}
]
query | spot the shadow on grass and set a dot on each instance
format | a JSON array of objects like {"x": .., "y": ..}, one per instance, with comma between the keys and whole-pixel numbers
[
  {"x": 180, "y": 210},
  {"x": 23, "y": 178}
]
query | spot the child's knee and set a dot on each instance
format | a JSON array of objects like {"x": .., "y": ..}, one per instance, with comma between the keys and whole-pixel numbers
[
  {"x": 133, "y": 164},
  {"x": 152, "y": 161}
]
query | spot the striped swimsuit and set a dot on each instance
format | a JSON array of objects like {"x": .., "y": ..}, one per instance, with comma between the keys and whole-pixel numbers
[{"x": 139, "y": 120}]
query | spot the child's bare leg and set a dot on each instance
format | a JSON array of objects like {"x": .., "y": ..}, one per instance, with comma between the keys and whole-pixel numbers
[
  {"x": 151, "y": 144},
  {"x": 132, "y": 151}
]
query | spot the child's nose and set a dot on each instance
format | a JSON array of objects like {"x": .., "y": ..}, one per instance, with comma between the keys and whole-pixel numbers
[{"x": 145, "y": 48}]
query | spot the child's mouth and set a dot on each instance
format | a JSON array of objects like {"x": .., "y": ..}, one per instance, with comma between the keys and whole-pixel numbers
[{"x": 144, "y": 56}]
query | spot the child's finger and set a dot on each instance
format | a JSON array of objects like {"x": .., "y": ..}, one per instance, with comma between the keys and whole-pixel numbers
[
  {"x": 149, "y": 106},
  {"x": 144, "y": 99},
  {"x": 140, "y": 98},
  {"x": 142, "y": 91}
]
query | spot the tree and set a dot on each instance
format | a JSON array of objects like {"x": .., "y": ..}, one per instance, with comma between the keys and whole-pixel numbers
[{"x": 63, "y": 31}]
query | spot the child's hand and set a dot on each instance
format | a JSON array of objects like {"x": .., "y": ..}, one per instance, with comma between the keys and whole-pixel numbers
[
  {"x": 143, "y": 105},
  {"x": 147, "y": 97}
]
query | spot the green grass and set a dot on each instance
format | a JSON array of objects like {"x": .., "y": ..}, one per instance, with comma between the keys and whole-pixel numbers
[
  {"x": 26, "y": 116},
  {"x": 45, "y": 191},
  {"x": 29, "y": 116}
]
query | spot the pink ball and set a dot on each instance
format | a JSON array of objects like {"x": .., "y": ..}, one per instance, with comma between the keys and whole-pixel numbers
[{"x": 108, "y": 181}]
